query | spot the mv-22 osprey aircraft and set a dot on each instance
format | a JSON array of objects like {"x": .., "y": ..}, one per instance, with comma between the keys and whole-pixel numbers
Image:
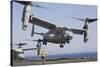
[
  {"x": 19, "y": 52},
  {"x": 58, "y": 35}
]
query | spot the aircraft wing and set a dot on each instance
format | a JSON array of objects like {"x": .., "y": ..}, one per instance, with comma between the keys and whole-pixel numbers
[
  {"x": 77, "y": 31},
  {"x": 42, "y": 23},
  {"x": 24, "y": 2}
]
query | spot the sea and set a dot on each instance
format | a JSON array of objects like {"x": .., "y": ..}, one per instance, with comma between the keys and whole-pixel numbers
[{"x": 57, "y": 56}]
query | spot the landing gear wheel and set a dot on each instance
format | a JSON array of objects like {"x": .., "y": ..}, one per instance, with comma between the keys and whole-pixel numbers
[
  {"x": 44, "y": 42},
  {"x": 68, "y": 41},
  {"x": 61, "y": 46},
  {"x": 87, "y": 39}
]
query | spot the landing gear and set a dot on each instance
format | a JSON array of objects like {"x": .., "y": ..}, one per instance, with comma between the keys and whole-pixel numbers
[
  {"x": 87, "y": 39},
  {"x": 44, "y": 42},
  {"x": 68, "y": 41},
  {"x": 61, "y": 46}
]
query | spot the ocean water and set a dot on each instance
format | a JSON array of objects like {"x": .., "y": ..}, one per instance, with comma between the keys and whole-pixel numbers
[{"x": 77, "y": 55}]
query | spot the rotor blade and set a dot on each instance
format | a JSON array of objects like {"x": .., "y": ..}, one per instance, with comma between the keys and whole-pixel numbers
[
  {"x": 14, "y": 44},
  {"x": 20, "y": 44},
  {"x": 92, "y": 20},
  {"x": 39, "y": 40},
  {"x": 39, "y": 6},
  {"x": 24, "y": 2},
  {"x": 78, "y": 18},
  {"x": 32, "y": 32},
  {"x": 30, "y": 3},
  {"x": 29, "y": 49},
  {"x": 39, "y": 33},
  {"x": 31, "y": 40}
]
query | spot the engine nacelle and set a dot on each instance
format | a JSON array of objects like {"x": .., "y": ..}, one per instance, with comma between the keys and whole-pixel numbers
[
  {"x": 26, "y": 16},
  {"x": 85, "y": 33},
  {"x": 85, "y": 36}
]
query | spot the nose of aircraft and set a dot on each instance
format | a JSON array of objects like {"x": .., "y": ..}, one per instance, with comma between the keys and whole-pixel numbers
[{"x": 70, "y": 37}]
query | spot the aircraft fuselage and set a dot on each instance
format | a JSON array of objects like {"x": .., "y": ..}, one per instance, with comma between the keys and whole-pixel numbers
[{"x": 58, "y": 37}]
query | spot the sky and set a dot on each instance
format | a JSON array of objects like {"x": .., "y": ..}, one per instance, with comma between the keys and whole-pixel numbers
[{"x": 57, "y": 14}]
